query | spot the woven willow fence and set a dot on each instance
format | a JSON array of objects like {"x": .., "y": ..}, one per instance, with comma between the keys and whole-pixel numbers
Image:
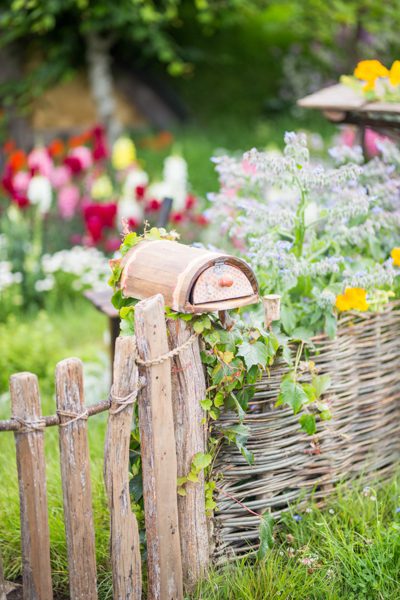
[{"x": 363, "y": 437}]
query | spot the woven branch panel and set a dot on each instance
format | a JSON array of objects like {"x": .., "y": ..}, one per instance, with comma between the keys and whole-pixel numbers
[{"x": 363, "y": 437}]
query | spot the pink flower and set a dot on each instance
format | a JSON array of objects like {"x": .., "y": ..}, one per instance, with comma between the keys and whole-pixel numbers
[
  {"x": 21, "y": 181},
  {"x": 60, "y": 176},
  {"x": 370, "y": 140},
  {"x": 348, "y": 136},
  {"x": 40, "y": 162},
  {"x": 84, "y": 156},
  {"x": 68, "y": 200}
]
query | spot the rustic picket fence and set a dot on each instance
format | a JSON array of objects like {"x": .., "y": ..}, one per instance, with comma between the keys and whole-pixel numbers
[{"x": 161, "y": 370}]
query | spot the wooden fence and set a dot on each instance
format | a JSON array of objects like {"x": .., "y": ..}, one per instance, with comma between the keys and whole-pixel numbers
[{"x": 161, "y": 370}]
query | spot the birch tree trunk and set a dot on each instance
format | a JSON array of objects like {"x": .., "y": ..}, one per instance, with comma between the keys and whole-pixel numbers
[{"x": 101, "y": 82}]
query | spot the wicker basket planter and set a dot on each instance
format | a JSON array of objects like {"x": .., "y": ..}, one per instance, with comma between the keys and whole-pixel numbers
[{"x": 363, "y": 436}]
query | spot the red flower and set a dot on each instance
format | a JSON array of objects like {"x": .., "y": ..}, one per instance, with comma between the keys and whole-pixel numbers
[
  {"x": 7, "y": 182},
  {"x": 190, "y": 202},
  {"x": 100, "y": 150},
  {"x": 202, "y": 220},
  {"x": 140, "y": 191},
  {"x": 133, "y": 223},
  {"x": 177, "y": 217},
  {"x": 99, "y": 217},
  {"x": 153, "y": 205},
  {"x": 73, "y": 163}
]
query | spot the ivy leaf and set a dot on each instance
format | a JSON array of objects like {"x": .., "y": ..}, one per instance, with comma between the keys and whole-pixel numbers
[
  {"x": 265, "y": 533},
  {"x": 310, "y": 391},
  {"x": 246, "y": 453},
  {"x": 206, "y": 404},
  {"x": 308, "y": 424},
  {"x": 253, "y": 354},
  {"x": 321, "y": 383},
  {"x": 201, "y": 461},
  {"x": 288, "y": 319},
  {"x": 291, "y": 393}
]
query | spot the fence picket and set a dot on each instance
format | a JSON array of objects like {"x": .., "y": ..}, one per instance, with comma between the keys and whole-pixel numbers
[
  {"x": 2, "y": 581},
  {"x": 158, "y": 455},
  {"x": 36, "y": 572},
  {"x": 75, "y": 475},
  {"x": 125, "y": 542},
  {"x": 189, "y": 388}
]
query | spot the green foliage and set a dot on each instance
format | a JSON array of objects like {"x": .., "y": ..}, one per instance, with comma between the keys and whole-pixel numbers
[
  {"x": 265, "y": 534},
  {"x": 349, "y": 549}
]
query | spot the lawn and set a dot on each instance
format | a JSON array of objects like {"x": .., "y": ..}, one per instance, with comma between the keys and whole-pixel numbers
[{"x": 350, "y": 549}]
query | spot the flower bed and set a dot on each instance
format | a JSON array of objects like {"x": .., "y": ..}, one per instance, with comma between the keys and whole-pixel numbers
[{"x": 362, "y": 438}]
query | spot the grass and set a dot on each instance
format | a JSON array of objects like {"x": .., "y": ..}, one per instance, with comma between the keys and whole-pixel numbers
[
  {"x": 37, "y": 343},
  {"x": 350, "y": 549}
]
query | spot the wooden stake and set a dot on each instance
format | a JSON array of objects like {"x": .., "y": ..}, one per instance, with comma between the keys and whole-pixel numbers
[
  {"x": 272, "y": 309},
  {"x": 2, "y": 581},
  {"x": 36, "y": 571},
  {"x": 158, "y": 455},
  {"x": 125, "y": 542},
  {"x": 75, "y": 476},
  {"x": 189, "y": 388}
]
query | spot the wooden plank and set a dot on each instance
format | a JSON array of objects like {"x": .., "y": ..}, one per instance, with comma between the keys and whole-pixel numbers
[
  {"x": 158, "y": 455},
  {"x": 189, "y": 388},
  {"x": 36, "y": 571},
  {"x": 337, "y": 97},
  {"x": 125, "y": 542},
  {"x": 2, "y": 581},
  {"x": 75, "y": 476}
]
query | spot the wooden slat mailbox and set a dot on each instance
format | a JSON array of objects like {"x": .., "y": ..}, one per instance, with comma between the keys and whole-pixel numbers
[{"x": 192, "y": 280}]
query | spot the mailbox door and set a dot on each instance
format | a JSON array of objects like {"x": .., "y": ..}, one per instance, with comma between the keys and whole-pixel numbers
[{"x": 221, "y": 282}]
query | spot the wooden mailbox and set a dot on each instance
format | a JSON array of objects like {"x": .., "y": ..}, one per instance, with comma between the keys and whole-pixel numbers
[{"x": 191, "y": 280}]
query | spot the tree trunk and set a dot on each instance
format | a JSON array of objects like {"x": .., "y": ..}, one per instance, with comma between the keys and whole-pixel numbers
[{"x": 101, "y": 82}]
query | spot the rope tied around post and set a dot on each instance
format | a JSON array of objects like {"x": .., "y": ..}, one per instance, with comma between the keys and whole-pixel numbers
[
  {"x": 30, "y": 426},
  {"x": 72, "y": 416},
  {"x": 174, "y": 352},
  {"x": 124, "y": 401}
]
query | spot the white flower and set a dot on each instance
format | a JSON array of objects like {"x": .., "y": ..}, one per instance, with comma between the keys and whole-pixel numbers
[
  {"x": 129, "y": 208},
  {"x": 175, "y": 176},
  {"x": 135, "y": 178},
  {"x": 159, "y": 191},
  {"x": 44, "y": 285},
  {"x": 40, "y": 193}
]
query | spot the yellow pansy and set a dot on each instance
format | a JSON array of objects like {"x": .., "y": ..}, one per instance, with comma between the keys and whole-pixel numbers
[
  {"x": 123, "y": 153},
  {"x": 369, "y": 71},
  {"x": 352, "y": 299},
  {"x": 394, "y": 75},
  {"x": 395, "y": 254}
]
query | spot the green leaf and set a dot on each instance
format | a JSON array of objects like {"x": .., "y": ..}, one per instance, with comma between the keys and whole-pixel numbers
[
  {"x": 288, "y": 319},
  {"x": 201, "y": 461},
  {"x": 246, "y": 453},
  {"x": 254, "y": 354},
  {"x": 265, "y": 533},
  {"x": 206, "y": 404},
  {"x": 219, "y": 399},
  {"x": 331, "y": 325},
  {"x": 308, "y": 424},
  {"x": 292, "y": 393},
  {"x": 321, "y": 383},
  {"x": 192, "y": 477},
  {"x": 302, "y": 334},
  {"x": 310, "y": 391}
]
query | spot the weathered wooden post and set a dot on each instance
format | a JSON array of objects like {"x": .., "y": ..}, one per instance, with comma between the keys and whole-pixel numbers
[
  {"x": 29, "y": 440},
  {"x": 75, "y": 477},
  {"x": 272, "y": 309},
  {"x": 189, "y": 388},
  {"x": 157, "y": 439},
  {"x": 125, "y": 542}
]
